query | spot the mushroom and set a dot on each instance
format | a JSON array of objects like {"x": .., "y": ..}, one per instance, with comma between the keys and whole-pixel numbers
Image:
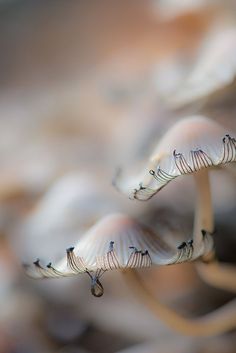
[
  {"x": 192, "y": 146},
  {"x": 115, "y": 242},
  {"x": 119, "y": 242}
]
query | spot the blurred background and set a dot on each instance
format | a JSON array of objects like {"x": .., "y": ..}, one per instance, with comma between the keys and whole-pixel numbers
[{"x": 86, "y": 87}]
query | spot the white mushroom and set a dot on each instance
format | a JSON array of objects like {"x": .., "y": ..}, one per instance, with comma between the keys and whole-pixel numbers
[
  {"x": 191, "y": 146},
  {"x": 116, "y": 242},
  {"x": 133, "y": 246}
]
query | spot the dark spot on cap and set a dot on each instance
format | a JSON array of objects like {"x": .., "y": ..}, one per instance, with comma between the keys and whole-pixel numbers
[
  {"x": 70, "y": 249},
  {"x": 182, "y": 245}
]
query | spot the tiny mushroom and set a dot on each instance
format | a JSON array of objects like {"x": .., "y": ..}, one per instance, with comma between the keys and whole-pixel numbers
[
  {"x": 115, "y": 242},
  {"x": 191, "y": 146}
]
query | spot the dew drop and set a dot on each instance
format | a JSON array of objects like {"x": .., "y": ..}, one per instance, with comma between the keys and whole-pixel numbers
[{"x": 96, "y": 287}]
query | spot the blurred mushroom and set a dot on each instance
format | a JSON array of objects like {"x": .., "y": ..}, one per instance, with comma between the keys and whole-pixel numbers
[
  {"x": 220, "y": 320},
  {"x": 55, "y": 219},
  {"x": 218, "y": 275},
  {"x": 214, "y": 70}
]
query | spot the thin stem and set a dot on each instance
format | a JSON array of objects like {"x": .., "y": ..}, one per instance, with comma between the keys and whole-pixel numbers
[
  {"x": 222, "y": 319},
  {"x": 218, "y": 275},
  {"x": 203, "y": 218},
  {"x": 219, "y": 321}
]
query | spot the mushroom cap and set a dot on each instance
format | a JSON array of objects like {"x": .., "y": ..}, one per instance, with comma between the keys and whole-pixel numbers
[
  {"x": 119, "y": 242},
  {"x": 192, "y": 144}
]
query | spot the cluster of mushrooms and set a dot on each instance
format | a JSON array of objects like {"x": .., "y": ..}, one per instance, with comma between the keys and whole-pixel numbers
[{"x": 193, "y": 145}]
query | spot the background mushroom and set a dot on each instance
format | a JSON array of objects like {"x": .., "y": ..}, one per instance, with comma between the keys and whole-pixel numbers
[{"x": 213, "y": 72}]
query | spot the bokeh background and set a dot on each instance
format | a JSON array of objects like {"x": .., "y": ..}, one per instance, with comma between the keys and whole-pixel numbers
[{"x": 86, "y": 87}]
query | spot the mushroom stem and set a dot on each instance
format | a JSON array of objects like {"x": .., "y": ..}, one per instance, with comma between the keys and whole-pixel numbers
[
  {"x": 203, "y": 219},
  {"x": 219, "y": 321},
  {"x": 218, "y": 275}
]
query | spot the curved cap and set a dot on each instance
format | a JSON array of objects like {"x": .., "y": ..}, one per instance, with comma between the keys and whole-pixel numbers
[
  {"x": 190, "y": 145},
  {"x": 214, "y": 70},
  {"x": 118, "y": 242}
]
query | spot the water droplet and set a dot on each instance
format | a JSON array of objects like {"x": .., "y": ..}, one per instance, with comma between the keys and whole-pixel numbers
[{"x": 96, "y": 287}]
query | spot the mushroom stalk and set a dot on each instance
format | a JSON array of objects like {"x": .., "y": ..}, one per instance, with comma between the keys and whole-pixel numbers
[
  {"x": 203, "y": 219},
  {"x": 219, "y": 321},
  {"x": 214, "y": 273},
  {"x": 218, "y": 275},
  {"x": 222, "y": 319}
]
